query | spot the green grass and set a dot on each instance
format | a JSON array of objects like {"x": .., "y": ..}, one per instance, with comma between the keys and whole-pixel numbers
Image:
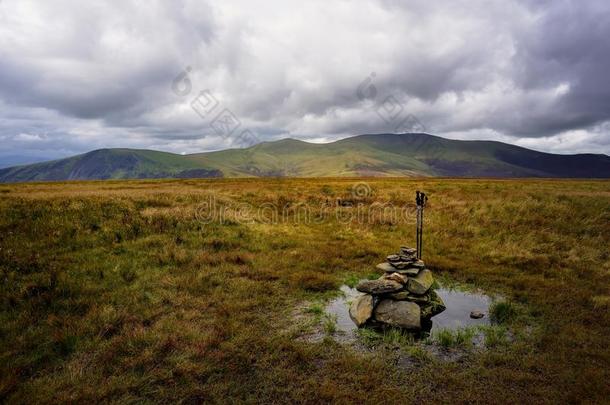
[
  {"x": 495, "y": 336},
  {"x": 118, "y": 291},
  {"x": 448, "y": 338},
  {"x": 502, "y": 311},
  {"x": 390, "y": 337},
  {"x": 329, "y": 323}
]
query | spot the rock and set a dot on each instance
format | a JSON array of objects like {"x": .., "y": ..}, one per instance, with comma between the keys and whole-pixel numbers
[
  {"x": 387, "y": 267},
  {"x": 399, "y": 278},
  {"x": 401, "y": 265},
  {"x": 399, "y": 296},
  {"x": 405, "y": 250},
  {"x": 378, "y": 286},
  {"x": 408, "y": 272},
  {"x": 418, "y": 264},
  {"x": 361, "y": 309},
  {"x": 434, "y": 307},
  {"x": 406, "y": 258},
  {"x": 407, "y": 296},
  {"x": 420, "y": 283},
  {"x": 476, "y": 314},
  {"x": 403, "y": 314},
  {"x": 393, "y": 258}
]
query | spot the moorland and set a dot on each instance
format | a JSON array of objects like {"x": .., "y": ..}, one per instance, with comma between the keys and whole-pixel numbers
[{"x": 186, "y": 290}]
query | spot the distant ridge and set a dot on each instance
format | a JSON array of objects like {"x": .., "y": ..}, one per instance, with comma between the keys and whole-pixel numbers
[{"x": 413, "y": 154}]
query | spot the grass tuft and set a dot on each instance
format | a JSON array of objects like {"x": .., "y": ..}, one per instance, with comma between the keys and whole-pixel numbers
[{"x": 502, "y": 311}]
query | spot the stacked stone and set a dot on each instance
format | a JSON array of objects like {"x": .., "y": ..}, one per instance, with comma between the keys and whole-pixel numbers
[{"x": 403, "y": 297}]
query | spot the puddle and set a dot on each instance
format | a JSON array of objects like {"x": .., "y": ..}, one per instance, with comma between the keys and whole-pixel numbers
[
  {"x": 457, "y": 315},
  {"x": 459, "y": 305}
]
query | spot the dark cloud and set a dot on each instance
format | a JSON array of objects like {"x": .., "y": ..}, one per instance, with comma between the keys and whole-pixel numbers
[{"x": 77, "y": 76}]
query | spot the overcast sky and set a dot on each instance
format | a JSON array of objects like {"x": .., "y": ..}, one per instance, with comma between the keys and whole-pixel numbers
[{"x": 81, "y": 75}]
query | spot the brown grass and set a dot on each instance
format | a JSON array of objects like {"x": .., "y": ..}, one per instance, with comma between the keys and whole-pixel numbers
[{"x": 127, "y": 291}]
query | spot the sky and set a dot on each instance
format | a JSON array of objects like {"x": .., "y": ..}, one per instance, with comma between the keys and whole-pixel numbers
[{"x": 188, "y": 76}]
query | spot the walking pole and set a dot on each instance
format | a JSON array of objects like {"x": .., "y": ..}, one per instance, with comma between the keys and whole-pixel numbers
[{"x": 420, "y": 201}]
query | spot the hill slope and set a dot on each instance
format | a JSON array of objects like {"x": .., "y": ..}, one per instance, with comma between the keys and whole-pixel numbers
[
  {"x": 110, "y": 164},
  {"x": 364, "y": 155}
]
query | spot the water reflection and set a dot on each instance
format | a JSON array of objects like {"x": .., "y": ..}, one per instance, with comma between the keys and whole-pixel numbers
[{"x": 457, "y": 315}]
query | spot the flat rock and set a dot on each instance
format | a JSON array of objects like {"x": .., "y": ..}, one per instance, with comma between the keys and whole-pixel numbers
[
  {"x": 476, "y": 314},
  {"x": 377, "y": 287},
  {"x": 361, "y": 309},
  {"x": 403, "y": 314},
  {"x": 418, "y": 264},
  {"x": 407, "y": 258},
  {"x": 387, "y": 267},
  {"x": 393, "y": 258},
  {"x": 407, "y": 296},
  {"x": 402, "y": 265},
  {"x": 421, "y": 283},
  {"x": 408, "y": 250},
  {"x": 434, "y": 306},
  {"x": 399, "y": 278},
  {"x": 408, "y": 272}
]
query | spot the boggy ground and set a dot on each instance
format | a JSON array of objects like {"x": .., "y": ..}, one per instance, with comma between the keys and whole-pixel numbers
[{"x": 133, "y": 291}]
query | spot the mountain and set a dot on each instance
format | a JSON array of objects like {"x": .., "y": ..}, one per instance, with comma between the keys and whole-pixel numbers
[
  {"x": 365, "y": 155},
  {"x": 15, "y": 160},
  {"x": 111, "y": 164}
]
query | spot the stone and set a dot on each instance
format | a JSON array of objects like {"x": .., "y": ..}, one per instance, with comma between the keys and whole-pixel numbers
[
  {"x": 406, "y": 258},
  {"x": 387, "y": 267},
  {"x": 393, "y": 258},
  {"x": 408, "y": 272},
  {"x": 378, "y": 286},
  {"x": 476, "y": 314},
  {"x": 421, "y": 283},
  {"x": 399, "y": 278},
  {"x": 399, "y": 296},
  {"x": 401, "y": 265},
  {"x": 434, "y": 306},
  {"x": 403, "y": 314},
  {"x": 418, "y": 264},
  {"x": 408, "y": 250},
  {"x": 407, "y": 296},
  {"x": 361, "y": 309}
]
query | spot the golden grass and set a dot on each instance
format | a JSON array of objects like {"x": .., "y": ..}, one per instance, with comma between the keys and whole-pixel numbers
[{"x": 129, "y": 291}]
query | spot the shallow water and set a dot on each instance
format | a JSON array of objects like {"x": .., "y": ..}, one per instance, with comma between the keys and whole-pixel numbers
[{"x": 457, "y": 315}]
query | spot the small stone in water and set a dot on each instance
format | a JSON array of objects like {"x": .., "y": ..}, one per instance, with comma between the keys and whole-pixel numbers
[{"x": 476, "y": 314}]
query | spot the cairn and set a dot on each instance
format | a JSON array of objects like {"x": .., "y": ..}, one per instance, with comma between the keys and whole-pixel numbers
[{"x": 403, "y": 297}]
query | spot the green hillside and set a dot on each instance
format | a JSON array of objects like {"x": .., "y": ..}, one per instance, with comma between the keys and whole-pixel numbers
[
  {"x": 364, "y": 155},
  {"x": 111, "y": 164}
]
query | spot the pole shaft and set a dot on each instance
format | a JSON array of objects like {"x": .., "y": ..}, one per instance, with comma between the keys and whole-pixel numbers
[{"x": 421, "y": 229}]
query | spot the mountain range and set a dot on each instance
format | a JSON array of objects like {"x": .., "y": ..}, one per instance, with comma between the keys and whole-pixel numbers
[{"x": 412, "y": 154}]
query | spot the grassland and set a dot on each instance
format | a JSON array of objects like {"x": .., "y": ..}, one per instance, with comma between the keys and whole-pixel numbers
[{"x": 131, "y": 291}]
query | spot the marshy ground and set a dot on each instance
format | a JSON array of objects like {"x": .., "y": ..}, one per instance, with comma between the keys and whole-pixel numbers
[{"x": 186, "y": 290}]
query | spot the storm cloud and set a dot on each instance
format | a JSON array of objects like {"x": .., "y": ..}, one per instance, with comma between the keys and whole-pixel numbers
[{"x": 76, "y": 76}]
